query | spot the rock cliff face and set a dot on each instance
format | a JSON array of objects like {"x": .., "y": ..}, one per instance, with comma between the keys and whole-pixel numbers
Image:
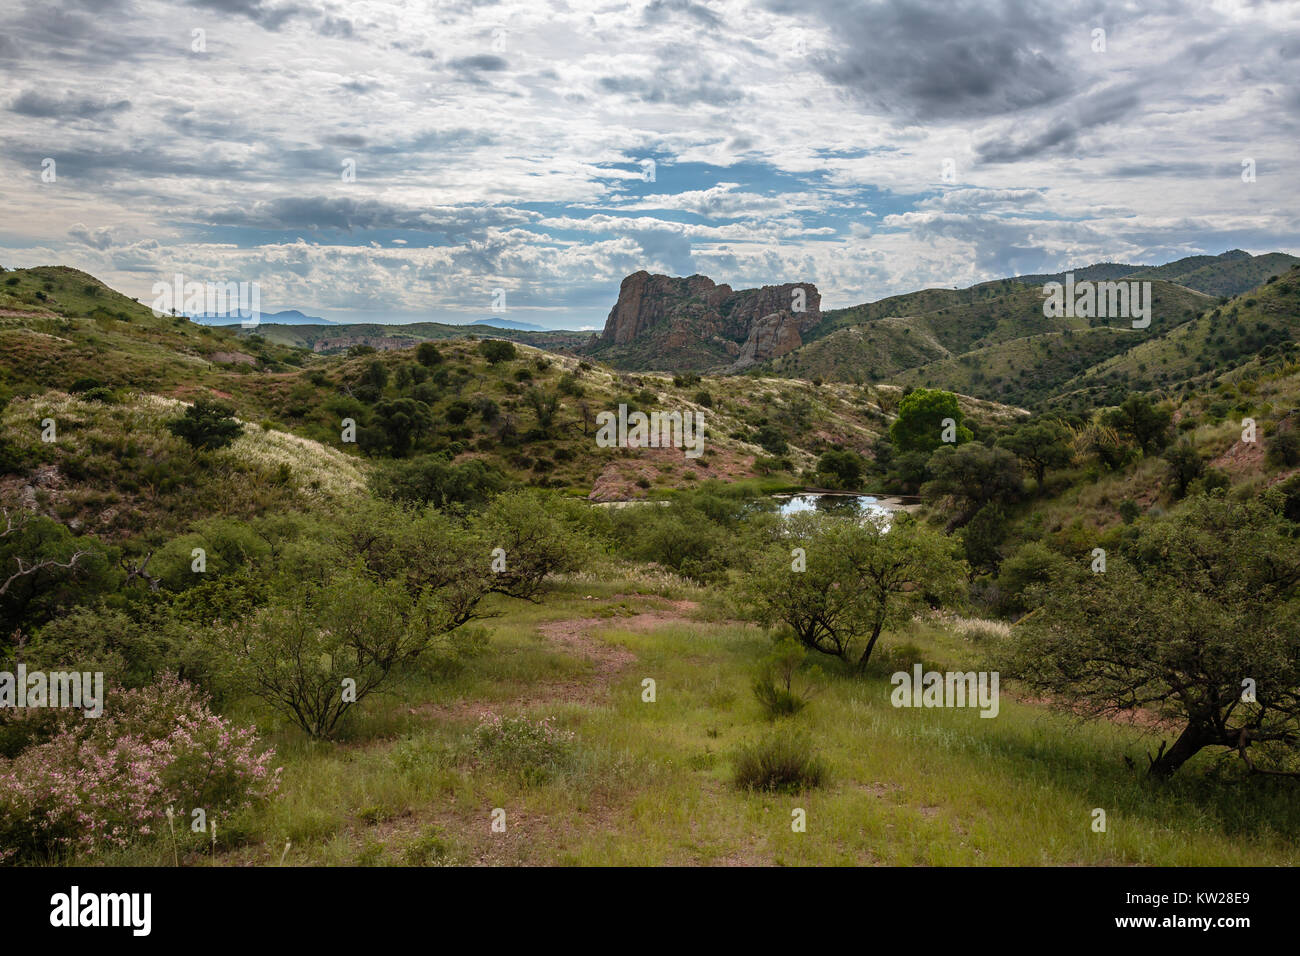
[{"x": 663, "y": 322}]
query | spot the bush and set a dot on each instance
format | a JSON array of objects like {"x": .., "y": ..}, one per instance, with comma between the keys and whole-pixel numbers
[
  {"x": 102, "y": 781},
  {"x": 779, "y": 763},
  {"x": 840, "y": 469},
  {"x": 533, "y": 749},
  {"x": 299, "y": 654},
  {"x": 1284, "y": 448},
  {"x": 427, "y": 354},
  {"x": 207, "y": 425},
  {"x": 102, "y": 395},
  {"x": 497, "y": 351},
  {"x": 431, "y": 479},
  {"x": 773, "y": 684}
]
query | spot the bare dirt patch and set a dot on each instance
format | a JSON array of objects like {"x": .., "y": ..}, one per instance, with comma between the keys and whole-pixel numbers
[{"x": 576, "y": 637}]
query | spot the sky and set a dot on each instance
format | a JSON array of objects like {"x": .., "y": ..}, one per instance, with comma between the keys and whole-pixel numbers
[{"x": 406, "y": 160}]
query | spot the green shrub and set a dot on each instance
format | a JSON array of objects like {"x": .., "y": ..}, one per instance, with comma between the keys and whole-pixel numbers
[
  {"x": 779, "y": 763},
  {"x": 773, "y": 685},
  {"x": 207, "y": 425},
  {"x": 497, "y": 350},
  {"x": 533, "y": 749},
  {"x": 1284, "y": 448}
]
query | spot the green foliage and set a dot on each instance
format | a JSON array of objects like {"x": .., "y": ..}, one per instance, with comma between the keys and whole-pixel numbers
[
  {"x": 207, "y": 425},
  {"x": 534, "y": 750},
  {"x": 773, "y": 684},
  {"x": 432, "y": 479},
  {"x": 1185, "y": 465},
  {"x": 1284, "y": 448},
  {"x": 852, "y": 581},
  {"x": 1039, "y": 445},
  {"x": 398, "y": 426},
  {"x": 770, "y": 439},
  {"x": 545, "y": 405},
  {"x": 1199, "y": 602},
  {"x": 297, "y": 654},
  {"x": 497, "y": 351},
  {"x": 780, "y": 762},
  {"x": 841, "y": 469},
  {"x": 973, "y": 475},
  {"x": 920, "y": 422},
  {"x": 427, "y": 354},
  {"x": 1025, "y": 573},
  {"x": 1141, "y": 420},
  {"x": 44, "y": 570},
  {"x": 983, "y": 536}
]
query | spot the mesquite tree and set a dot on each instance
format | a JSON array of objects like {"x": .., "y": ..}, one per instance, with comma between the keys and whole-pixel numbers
[
  {"x": 839, "y": 583},
  {"x": 1198, "y": 618}
]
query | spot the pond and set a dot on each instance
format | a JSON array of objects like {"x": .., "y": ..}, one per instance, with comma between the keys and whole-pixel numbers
[
  {"x": 841, "y": 504},
  {"x": 844, "y": 505}
]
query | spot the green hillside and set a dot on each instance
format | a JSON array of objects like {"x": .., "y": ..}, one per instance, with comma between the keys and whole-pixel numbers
[
  {"x": 1219, "y": 339},
  {"x": 1229, "y": 273},
  {"x": 991, "y": 341}
]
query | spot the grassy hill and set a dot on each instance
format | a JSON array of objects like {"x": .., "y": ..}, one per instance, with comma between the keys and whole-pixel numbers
[
  {"x": 991, "y": 341},
  {"x": 1196, "y": 351},
  {"x": 77, "y": 335},
  {"x": 59, "y": 325},
  {"x": 1229, "y": 273}
]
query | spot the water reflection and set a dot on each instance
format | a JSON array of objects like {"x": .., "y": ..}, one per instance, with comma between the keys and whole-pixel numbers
[{"x": 841, "y": 505}]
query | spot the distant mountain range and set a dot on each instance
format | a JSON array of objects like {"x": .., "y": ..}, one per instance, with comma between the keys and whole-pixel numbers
[
  {"x": 991, "y": 341},
  {"x": 286, "y": 317},
  {"x": 1230, "y": 273},
  {"x": 511, "y": 324}
]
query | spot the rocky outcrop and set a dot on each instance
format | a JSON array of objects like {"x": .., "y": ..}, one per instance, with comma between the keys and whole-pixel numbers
[
  {"x": 692, "y": 323},
  {"x": 772, "y": 335}
]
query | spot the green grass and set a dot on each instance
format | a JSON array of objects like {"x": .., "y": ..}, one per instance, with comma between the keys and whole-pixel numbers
[{"x": 650, "y": 783}]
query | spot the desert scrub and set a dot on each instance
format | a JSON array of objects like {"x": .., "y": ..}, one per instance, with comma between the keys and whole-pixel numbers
[
  {"x": 773, "y": 684},
  {"x": 780, "y": 762},
  {"x": 108, "y": 781},
  {"x": 533, "y": 749}
]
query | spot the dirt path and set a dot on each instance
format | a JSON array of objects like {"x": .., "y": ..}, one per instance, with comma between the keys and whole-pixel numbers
[{"x": 576, "y": 637}]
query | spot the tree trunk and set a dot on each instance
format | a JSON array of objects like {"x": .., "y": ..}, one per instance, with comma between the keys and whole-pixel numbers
[
  {"x": 1189, "y": 742},
  {"x": 866, "y": 653}
]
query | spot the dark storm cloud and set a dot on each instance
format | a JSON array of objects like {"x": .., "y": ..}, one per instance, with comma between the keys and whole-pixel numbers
[
  {"x": 658, "y": 9},
  {"x": 680, "y": 85},
  {"x": 342, "y": 213},
  {"x": 74, "y": 31},
  {"x": 93, "y": 166},
  {"x": 943, "y": 59},
  {"x": 1061, "y": 132},
  {"x": 270, "y": 16},
  {"x": 483, "y": 62},
  {"x": 36, "y": 103}
]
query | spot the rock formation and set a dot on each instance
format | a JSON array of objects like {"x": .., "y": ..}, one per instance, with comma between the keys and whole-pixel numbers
[{"x": 664, "y": 322}]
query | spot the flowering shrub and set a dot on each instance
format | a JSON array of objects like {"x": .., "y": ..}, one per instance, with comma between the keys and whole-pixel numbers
[
  {"x": 104, "y": 781},
  {"x": 532, "y": 748}
]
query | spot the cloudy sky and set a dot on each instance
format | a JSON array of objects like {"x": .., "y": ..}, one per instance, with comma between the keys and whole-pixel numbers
[{"x": 405, "y": 159}]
